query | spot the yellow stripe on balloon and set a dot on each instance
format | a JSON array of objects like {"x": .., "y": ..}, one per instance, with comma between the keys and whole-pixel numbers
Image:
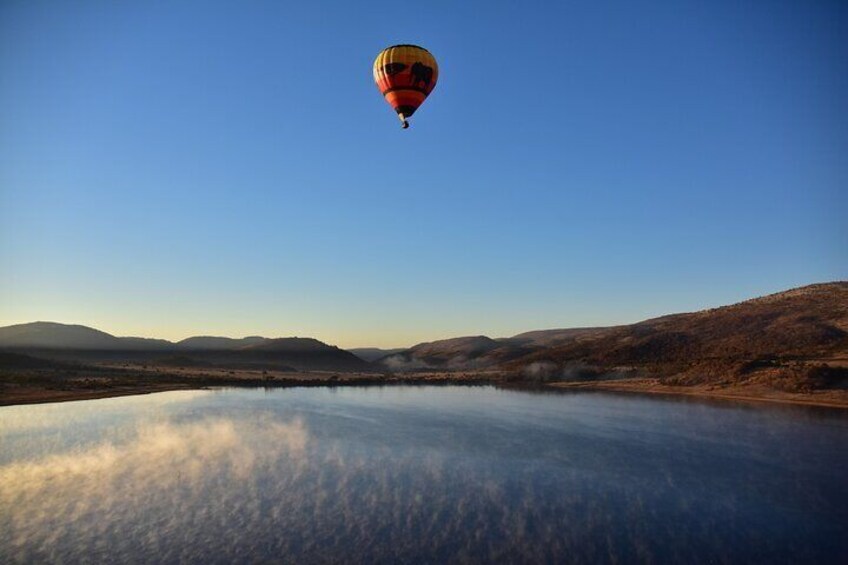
[{"x": 405, "y": 74}]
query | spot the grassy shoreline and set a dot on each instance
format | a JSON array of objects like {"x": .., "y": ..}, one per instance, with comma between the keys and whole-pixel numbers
[
  {"x": 823, "y": 398},
  {"x": 38, "y": 387}
]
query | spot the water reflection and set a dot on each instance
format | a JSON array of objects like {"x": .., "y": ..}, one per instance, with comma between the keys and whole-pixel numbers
[{"x": 411, "y": 474}]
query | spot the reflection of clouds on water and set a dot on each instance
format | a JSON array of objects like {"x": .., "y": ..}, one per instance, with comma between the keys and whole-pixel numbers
[
  {"x": 434, "y": 475},
  {"x": 255, "y": 488},
  {"x": 166, "y": 465},
  {"x": 162, "y": 453}
]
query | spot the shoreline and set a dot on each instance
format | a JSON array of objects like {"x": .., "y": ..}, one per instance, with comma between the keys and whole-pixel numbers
[
  {"x": 833, "y": 398},
  {"x": 25, "y": 395},
  {"x": 136, "y": 381}
]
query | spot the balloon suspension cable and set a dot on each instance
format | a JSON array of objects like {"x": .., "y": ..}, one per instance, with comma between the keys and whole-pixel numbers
[{"x": 403, "y": 123}]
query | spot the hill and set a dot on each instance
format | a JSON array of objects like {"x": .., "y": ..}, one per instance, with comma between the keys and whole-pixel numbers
[
  {"x": 808, "y": 322},
  {"x": 297, "y": 352},
  {"x": 76, "y": 343},
  {"x": 54, "y": 335},
  {"x": 552, "y": 338},
  {"x": 787, "y": 346},
  {"x": 802, "y": 325},
  {"x": 480, "y": 352},
  {"x": 783, "y": 334},
  {"x": 472, "y": 352},
  {"x": 221, "y": 343},
  {"x": 373, "y": 353}
]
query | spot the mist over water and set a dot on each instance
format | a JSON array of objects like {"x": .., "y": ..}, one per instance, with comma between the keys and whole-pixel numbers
[{"x": 420, "y": 474}]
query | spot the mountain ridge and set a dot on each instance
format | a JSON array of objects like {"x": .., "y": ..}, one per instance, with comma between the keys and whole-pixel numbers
[
  {"x": 75, "y": 342},
  {"x": 800, "y": 323}
]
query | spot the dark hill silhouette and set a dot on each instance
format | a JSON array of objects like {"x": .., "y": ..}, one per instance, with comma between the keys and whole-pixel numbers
[
  {"x": 50, "y": 335},
  {"x": 55, "y": 335},
  {"x": 75, "y": 343},
  {"x": 144, "y": 343},
  {"x": 300, "y": 353},
  {"x": 290, "y": 344},
  {"x": 214, "y": 342}
]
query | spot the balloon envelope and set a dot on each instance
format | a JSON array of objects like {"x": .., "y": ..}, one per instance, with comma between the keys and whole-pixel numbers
[{"x": 405, "y": 75}]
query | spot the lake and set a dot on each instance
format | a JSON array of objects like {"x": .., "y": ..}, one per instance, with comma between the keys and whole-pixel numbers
[{"x": 421, "y": 474}]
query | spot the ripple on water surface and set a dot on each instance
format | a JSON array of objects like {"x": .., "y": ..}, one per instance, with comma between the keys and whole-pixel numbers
[{"x": 420, "y": 474}]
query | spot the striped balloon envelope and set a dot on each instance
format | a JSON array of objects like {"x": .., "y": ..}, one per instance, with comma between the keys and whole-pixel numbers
[{"x": 405, "y": 75}]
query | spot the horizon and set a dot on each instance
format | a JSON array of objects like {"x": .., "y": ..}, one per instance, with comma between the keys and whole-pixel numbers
[
  {"x": 203, "y": 168},
  {"x": 177, "y": 339}
]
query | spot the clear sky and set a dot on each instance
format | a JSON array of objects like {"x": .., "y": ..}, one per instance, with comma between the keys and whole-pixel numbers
[{"x": 176, "y": 168}]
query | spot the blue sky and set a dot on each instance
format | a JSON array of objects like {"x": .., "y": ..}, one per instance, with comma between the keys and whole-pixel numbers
[{"x": 174, "y": 168}]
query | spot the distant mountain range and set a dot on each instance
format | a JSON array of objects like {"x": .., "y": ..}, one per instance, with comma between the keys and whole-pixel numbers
[
  {"x": 80, "y": 343},
  {"x": 802, "y": 324}
]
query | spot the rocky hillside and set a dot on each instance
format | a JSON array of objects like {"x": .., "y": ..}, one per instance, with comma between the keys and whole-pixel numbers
[
  {"x": 553, "y": 338},
  {"x": 802, "y": 326},
  {"x": 805, "y": 323},
  {"x": 792, "y": 339}
]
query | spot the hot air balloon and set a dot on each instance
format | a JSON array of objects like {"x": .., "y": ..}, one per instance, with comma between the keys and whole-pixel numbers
[{"x": 405, "y": 75}]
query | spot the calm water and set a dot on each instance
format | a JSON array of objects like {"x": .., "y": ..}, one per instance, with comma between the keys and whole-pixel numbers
[{"x": 420, "y": 474}]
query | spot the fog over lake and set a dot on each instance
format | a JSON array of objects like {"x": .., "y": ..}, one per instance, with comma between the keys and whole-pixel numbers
[{"x": 416, "y": 474}]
